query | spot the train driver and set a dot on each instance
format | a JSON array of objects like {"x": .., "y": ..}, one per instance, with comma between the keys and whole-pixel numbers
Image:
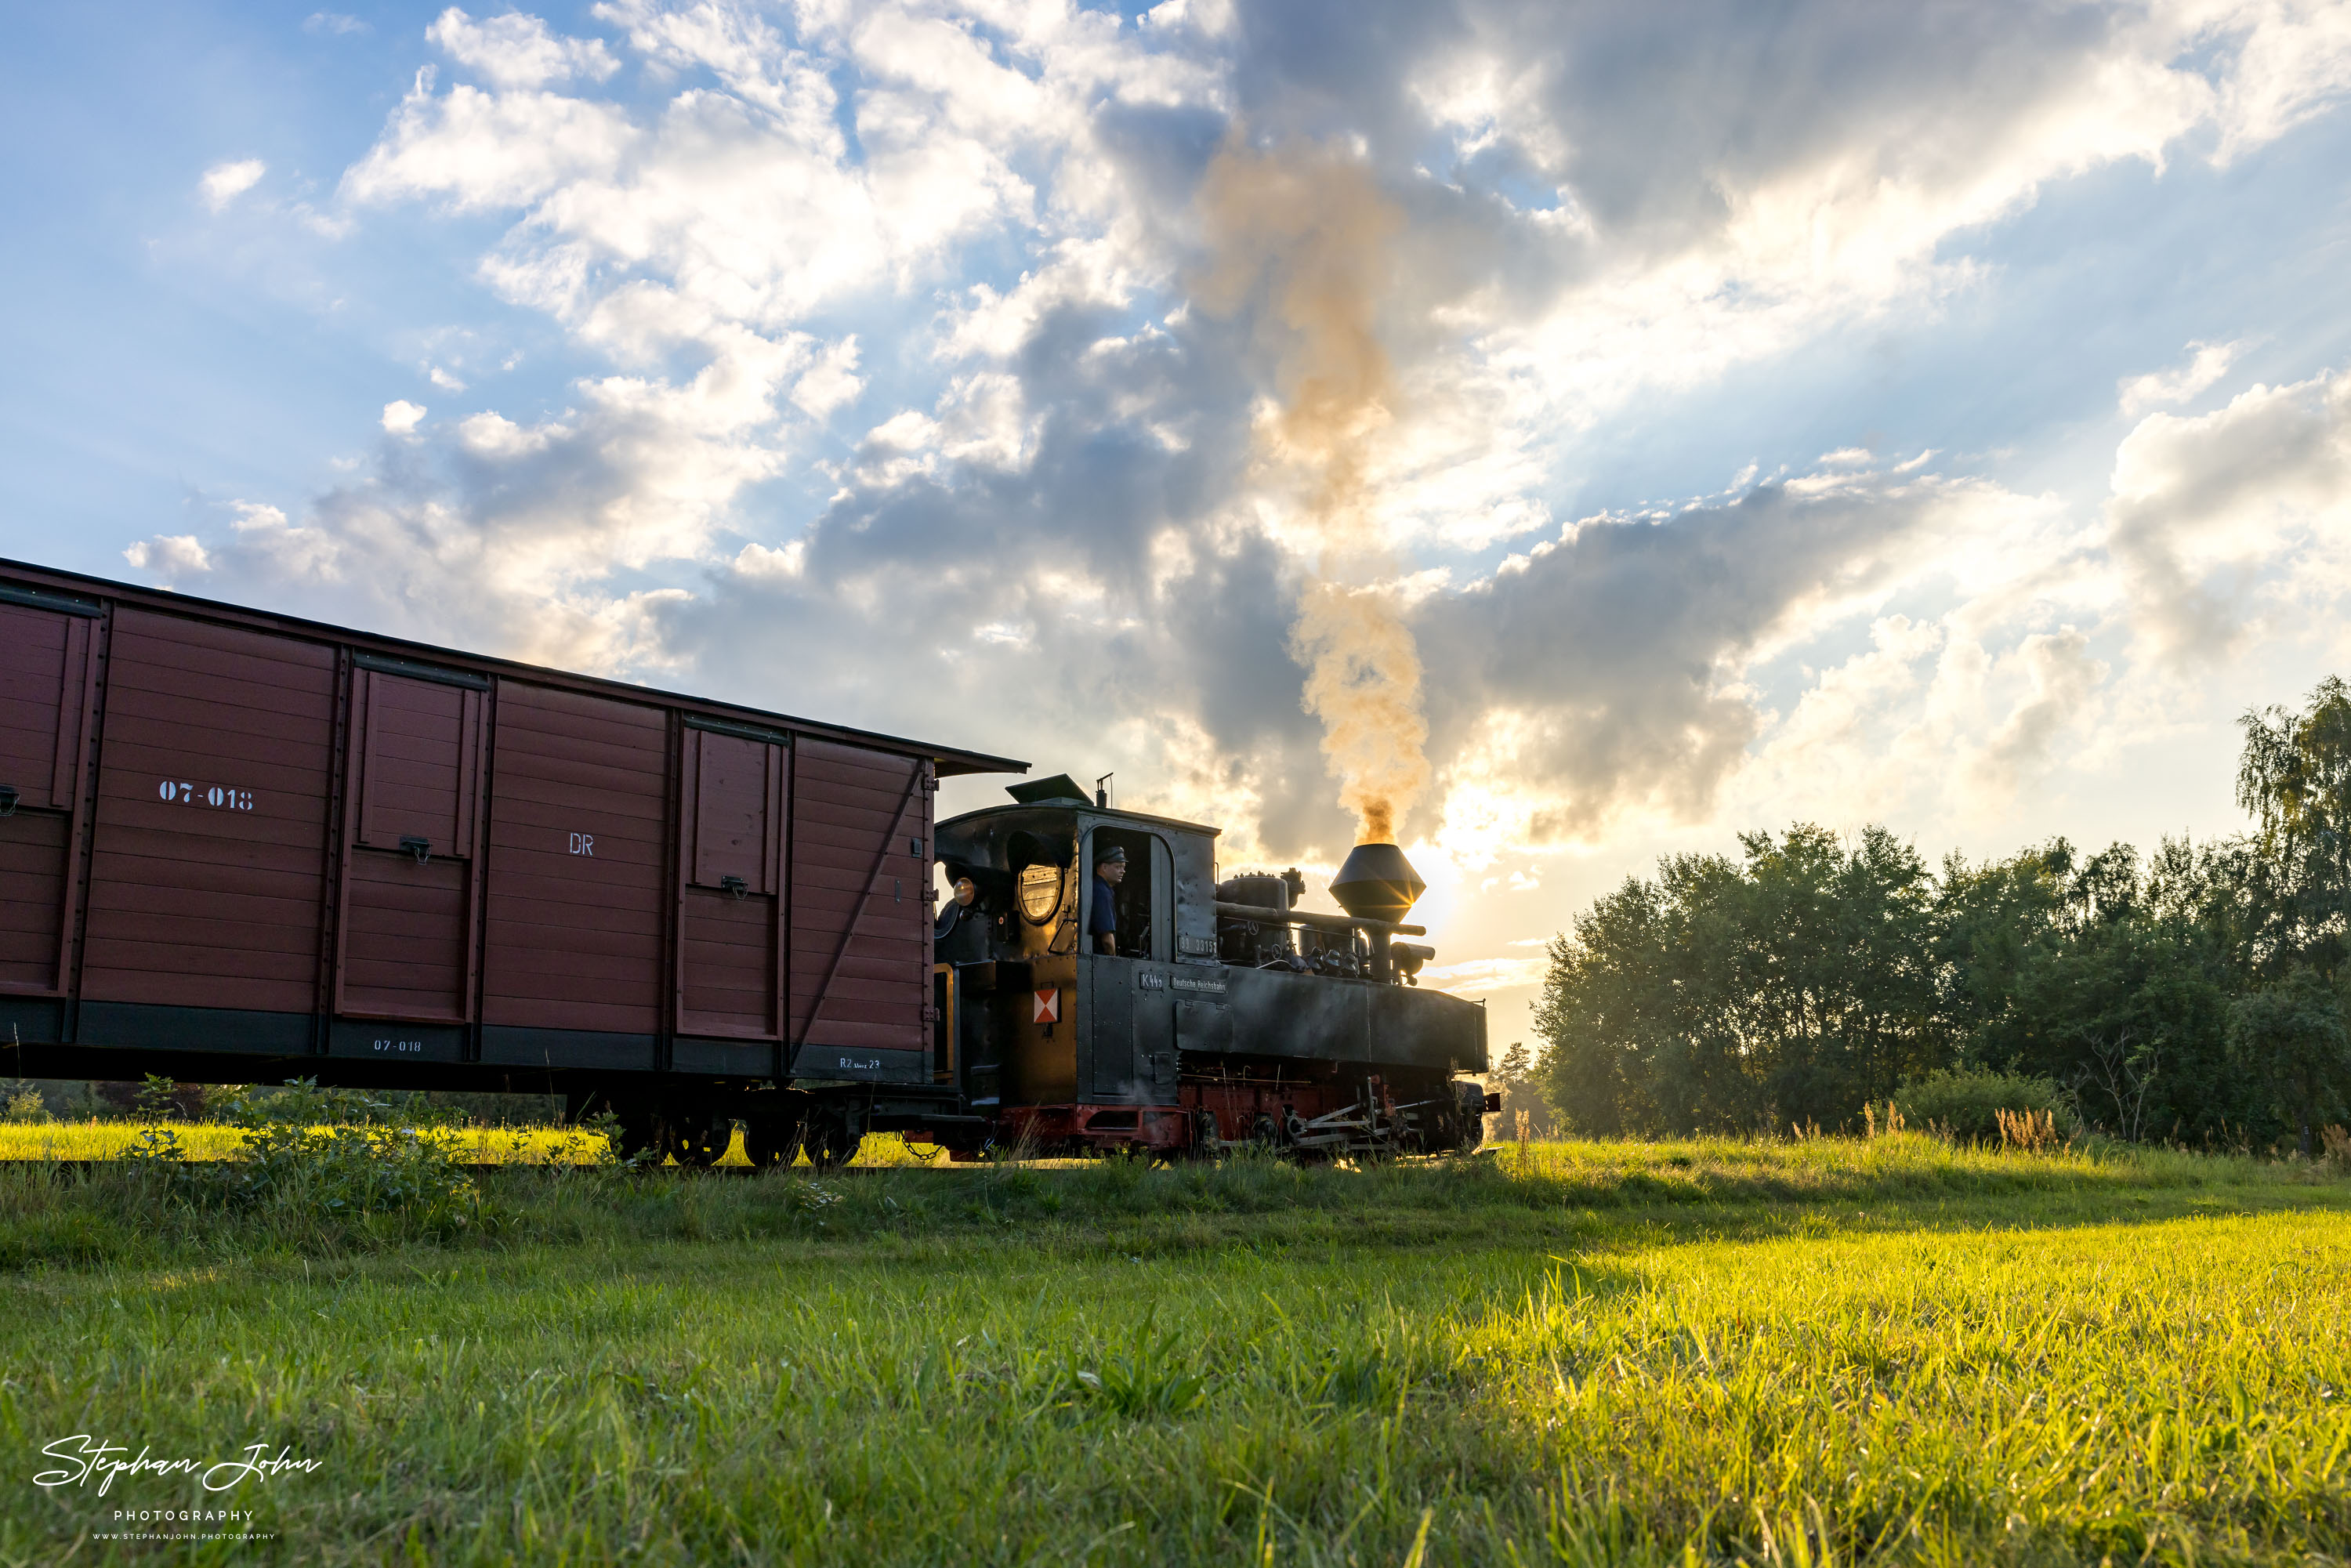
[{"x": 1101, "y": 919}]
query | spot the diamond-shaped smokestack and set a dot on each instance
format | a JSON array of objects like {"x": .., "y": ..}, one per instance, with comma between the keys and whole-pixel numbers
[{"x": 1377, "y": 883}]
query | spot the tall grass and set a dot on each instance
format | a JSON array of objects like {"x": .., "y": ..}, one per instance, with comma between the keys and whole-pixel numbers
[{"x": 95, "y": 1140}]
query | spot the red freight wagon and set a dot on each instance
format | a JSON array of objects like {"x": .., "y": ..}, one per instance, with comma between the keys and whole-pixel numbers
[{"x": 237, "y": 847}]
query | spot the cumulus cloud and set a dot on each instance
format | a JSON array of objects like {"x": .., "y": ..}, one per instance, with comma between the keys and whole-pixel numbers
[
  {"x": 940, "y": 269},
  {"x": 2065, "y": 638},
  {"x": 2221, "y": 519},
  {"x": 2061, "y": 674},
  {"x": 477, "y": 150},
  {"x": 168, "y": 556},
  {"x": 2136, "y": 395},
  {"x": 225, "y": 183},
  {"x": 517, "y": 50},
  {"x": 1606, "y": 674}
]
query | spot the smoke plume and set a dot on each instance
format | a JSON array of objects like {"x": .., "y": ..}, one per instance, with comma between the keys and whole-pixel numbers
[{"x": 1301, "y": 236}]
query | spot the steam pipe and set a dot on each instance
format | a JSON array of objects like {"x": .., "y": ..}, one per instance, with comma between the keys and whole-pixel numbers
[{"x": 1264, "y": 915}]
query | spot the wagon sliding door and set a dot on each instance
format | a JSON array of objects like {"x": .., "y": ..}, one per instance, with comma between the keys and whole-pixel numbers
[
  {"x": 45, "y": 680},
  {"x": 732, "y": 787},
  {"x": 580, "y": 840},
  {"x": 861, "y": 910},
  {"x": 412, "y": 817},
  {"x": 208, "y": 870}
]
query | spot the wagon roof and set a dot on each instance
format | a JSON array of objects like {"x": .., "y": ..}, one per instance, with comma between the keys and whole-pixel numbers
[{"x": 950, "y": 761}]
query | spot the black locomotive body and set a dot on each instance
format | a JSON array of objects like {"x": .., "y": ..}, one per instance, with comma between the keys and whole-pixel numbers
[{"x": 1223, "y": 1017}]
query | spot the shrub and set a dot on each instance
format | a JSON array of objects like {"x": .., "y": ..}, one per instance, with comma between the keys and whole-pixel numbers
[
  {"x": 337, "y": 1154},
  {"x": 25, "y": 1102},
  {"x": 157, "y": 1099},
  {"x": 1967, "y": 1105}
]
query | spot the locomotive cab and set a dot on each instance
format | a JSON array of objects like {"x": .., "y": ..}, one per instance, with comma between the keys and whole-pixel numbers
[{"x": 1208, "y": 1022}]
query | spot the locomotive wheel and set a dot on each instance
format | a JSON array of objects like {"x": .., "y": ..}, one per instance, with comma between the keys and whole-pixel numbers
[
  {"x": 771, "y": 1140},
  {"x": 1207, "y": 1145},
  {"x": 699, "y": 1140}
]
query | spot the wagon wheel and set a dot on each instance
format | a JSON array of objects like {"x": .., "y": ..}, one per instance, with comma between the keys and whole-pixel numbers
[
  {"x": 700, "y": 1140},
  {"x": 771, "y": 1140},
  {"x": 638, "y": 1134}
]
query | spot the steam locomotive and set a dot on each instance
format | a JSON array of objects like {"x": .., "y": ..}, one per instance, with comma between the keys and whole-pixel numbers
[
  {"x": 1224, "y": 1014},
  {"x": 242, "y": 847}
]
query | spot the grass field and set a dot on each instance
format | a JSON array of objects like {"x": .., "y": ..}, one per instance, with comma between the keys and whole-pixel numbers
[
  {"x": 1827, "y": 1350},
  {"x": 219, "y": 1141},
  {"x": 94, "y": 1140}
]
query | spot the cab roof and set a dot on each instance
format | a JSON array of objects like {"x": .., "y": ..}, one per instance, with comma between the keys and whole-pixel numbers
[{"x": 1103, "y": 815}]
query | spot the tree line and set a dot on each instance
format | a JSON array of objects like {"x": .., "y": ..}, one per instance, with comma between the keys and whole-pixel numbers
[{"x": 2197, "y": 994}]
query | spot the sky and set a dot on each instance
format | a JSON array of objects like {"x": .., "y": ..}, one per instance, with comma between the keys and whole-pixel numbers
[{"x": 1586, "y": 431}]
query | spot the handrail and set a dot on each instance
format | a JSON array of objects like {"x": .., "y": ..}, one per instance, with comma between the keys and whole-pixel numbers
[{"x": 1259, "y": 912}]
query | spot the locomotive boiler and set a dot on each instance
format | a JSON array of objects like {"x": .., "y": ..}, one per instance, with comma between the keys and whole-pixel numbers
[{"x": 242, "y": 847}]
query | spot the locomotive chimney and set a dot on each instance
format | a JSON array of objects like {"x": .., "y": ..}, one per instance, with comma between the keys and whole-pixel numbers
[{"x": 1377, "y": 883}]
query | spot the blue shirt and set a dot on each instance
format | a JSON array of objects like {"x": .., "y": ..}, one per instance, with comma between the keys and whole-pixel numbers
[{"x": 1102, "y": 920}]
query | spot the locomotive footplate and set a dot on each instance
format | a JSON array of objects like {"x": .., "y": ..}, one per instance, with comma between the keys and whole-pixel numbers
[{"x": 1101, "y": 1129}]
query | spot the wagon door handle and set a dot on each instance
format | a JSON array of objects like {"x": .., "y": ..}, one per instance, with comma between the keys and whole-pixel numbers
[
  {"x": 8, "y": 799},
  {"x": 734, "y": 885},
  {"x": 421, "y": 848}
]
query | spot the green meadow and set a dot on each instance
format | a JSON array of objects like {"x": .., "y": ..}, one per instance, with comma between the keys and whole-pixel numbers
[{"x": 1832, "y": 1351}]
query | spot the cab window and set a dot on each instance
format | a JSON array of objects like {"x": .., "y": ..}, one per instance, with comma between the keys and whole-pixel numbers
[{"x": 1140, "y": 901}]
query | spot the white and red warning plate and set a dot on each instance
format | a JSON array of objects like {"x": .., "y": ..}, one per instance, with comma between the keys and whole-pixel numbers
[{"x": 1048, "y": 1009}]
